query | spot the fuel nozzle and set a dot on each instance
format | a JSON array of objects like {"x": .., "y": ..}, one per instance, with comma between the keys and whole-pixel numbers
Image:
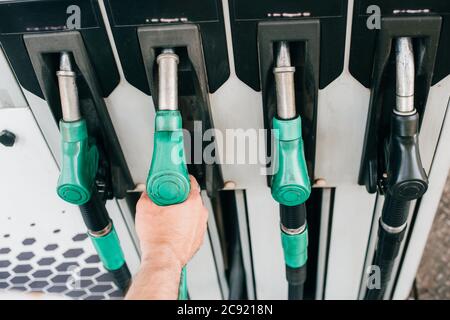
[
  {"x": 406, "y": 179},
  {"x": 76, "y": 183},
  {"x": 168, "y": 180},
  {"x": 79, "y": 158},
  {"x": 290, "y": 183}
]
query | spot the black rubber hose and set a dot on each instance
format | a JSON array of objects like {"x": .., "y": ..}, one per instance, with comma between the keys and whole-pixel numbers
[
  {"x": 293, "y": 217},
  {"x": 388, "y": 248},
  {"x": 295, "y": 292},
  {"x": 122, "y": 277},
  {"x": 395, "y": 211},
  {"x": 94, "y": 213},
  {"x": 96, "y": 219},
  {"x": 296, "y": 279}
]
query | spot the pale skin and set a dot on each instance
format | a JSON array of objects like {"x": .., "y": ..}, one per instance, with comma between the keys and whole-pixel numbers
[{"x": 169, "y": 237}]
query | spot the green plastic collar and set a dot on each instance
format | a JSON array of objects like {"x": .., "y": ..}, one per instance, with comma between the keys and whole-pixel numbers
[
  {"x": 109, "y": 250},
  {"x": 168, "y": 180},
  {"x": 290, "y": 183},
  {"x": 295, "y": 248},
  {"x": 78, "y": 164},
  {"x": 182, "y": 289}
]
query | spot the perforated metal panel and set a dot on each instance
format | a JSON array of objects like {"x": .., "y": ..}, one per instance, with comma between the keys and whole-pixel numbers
[{"x": 36, "y": 265}]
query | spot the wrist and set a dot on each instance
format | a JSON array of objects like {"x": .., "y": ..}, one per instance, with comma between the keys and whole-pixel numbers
[
  {"x": 158, "y": 276},
  {"x": 162, "y": 258}
]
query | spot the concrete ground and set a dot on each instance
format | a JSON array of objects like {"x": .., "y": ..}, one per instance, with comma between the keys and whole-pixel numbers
[{"x": 433, "y": 277}]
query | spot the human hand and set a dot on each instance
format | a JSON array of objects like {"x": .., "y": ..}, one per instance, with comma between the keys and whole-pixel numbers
[{"x": 171, "y": 234}]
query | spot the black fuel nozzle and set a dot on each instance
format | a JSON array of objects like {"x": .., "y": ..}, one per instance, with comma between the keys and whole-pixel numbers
[{"x": 405, "y": 179}]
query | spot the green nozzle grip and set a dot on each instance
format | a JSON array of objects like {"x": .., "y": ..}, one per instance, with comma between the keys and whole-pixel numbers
[
  {"x": 295, "y": 248},
  {"x": 168, "y": 179},
  {"x": 78, "y": 164},
  {"x": 109, "y": 250},
  {"x": 290, "y": 183}
]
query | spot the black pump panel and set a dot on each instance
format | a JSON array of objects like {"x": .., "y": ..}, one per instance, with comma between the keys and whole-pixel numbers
[
  {"x": 20, "y": 18},
  {"x": 364, "y": 40},
  {"x": 425, "y": 31},
  {"x": 127, "y": 16},
  {"x": 246, "y": 15},
  {"x": 303, "y": 37}
]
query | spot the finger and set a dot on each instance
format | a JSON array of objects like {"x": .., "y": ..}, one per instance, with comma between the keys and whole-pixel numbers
[
  {"x": 200, "y": 237},
  {"x": 194, "y": 184},
  {"x": 200, "y": 229},
  {"x": 144, "y": 202}
]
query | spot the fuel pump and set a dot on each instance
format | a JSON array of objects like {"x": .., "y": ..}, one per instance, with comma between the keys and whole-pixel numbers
[
  {"x": 406, "y": 179},
  {"x": 77, "y": 181},
  {"x": 168, "y": 180},
  {"x": 290, "y": 183}
]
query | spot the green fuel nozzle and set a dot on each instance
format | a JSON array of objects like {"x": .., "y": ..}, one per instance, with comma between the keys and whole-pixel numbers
[
  {"x": 78, "y": 163},
  {"x": 290, "y": 183},
  {"x": 168, "y": 179},
  {"x": 76, "y": 183},
  {"x": 79, "y": 160}
]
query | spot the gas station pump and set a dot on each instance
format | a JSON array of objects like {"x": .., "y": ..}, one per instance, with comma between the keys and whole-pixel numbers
[{"x": 348, "y": 110}]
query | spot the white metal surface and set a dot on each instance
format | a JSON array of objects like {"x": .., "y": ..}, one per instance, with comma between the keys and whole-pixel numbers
[
  {"x": 325, "y": 213},
  {"x": 10, "y": 93},
  {"x": 32, "y": 217},
  {"x": 202, "y": 271}
]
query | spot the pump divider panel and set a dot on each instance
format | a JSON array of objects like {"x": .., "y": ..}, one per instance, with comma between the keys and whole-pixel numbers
[
  {"x": 299, "y": 31},
  {"x": 426, "y": 28},
  {"x": 127, "y": 16},
  {"x": 39, "y": 46},
  {"x": 364, "y": 42},
  {"x": 19, "y": 18},
  {"x": 246, "y": 15},
  {"x": 152, "y": 39}
]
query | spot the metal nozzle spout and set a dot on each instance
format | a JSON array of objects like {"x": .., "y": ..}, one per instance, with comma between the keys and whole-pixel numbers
[
  {"x": 404, "y": 57},
  {"x": 284, "y": 82},
  {"x": 68, "y": 90},
  {"x": 167, "y": 80}
]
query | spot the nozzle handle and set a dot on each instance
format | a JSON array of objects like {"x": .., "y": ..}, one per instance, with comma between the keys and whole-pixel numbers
[
  {"x": 290, "y": 183},
  {"x": 168, "y": 179},
  {"x": 79, "y": 163}
]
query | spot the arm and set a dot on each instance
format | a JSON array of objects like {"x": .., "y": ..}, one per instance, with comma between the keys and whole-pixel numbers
[{"x": 169, "y": 237}]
